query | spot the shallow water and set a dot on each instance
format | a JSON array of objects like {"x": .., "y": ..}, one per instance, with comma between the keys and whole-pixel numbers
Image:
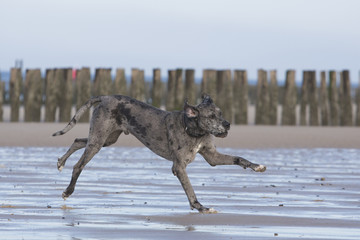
[{"x": 130, "y": 193}]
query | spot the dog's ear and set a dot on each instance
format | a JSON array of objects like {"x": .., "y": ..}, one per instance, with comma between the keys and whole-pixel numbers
[
  {"x": 206, "y": 99},
  {"x": 190, "y": 111}
]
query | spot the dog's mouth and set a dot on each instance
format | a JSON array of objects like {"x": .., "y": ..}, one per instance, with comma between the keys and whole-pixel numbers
[{"x": 221, "y": 135}]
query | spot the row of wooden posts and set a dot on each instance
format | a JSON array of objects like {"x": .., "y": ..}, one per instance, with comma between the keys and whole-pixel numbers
[{"x": 331, "y": 104}]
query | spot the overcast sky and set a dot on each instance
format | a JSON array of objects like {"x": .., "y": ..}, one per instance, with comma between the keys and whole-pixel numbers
[{"x": 270, "y": 34}]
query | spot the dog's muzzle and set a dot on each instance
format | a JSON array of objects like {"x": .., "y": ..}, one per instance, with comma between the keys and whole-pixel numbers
[{"x": 226, "y": 126}]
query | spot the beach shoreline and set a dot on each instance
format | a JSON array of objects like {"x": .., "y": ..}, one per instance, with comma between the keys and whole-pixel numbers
[{"x": 128, "y": 192}]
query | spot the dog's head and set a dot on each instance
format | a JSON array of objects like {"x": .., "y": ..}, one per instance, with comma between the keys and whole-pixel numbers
[{"x": 205, "y": 118}]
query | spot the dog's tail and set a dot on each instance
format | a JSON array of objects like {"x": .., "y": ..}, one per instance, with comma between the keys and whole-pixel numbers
[{"x": 78, "y": 115}]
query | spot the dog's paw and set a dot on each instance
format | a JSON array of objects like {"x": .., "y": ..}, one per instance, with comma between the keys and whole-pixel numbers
[
  {"x": 260, "y": 168},
  {"x": 65, "y": 195},
  {"x": 208, "y": 211},
  {"x": 59, "y": 165}
]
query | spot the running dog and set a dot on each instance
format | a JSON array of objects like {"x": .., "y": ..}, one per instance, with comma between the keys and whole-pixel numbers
[{"x": 176, "y": 136}]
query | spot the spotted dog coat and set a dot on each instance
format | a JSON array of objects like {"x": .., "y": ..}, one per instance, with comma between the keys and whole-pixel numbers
[{"x": 176, "y": 136}]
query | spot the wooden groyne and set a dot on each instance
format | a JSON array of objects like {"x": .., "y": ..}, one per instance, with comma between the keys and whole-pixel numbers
[{"x": 322, "y": 100}]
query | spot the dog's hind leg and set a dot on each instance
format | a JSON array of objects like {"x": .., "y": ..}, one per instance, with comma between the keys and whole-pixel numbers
[
  {"x": 81, "y": 143},
  {"x": 78, "y": 144},
  {"x": 102, "y": 133},
  {"x": 90, "y": 151}
]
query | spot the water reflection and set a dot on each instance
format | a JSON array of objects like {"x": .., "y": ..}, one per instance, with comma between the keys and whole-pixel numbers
[{"x": 305, "y": 193}]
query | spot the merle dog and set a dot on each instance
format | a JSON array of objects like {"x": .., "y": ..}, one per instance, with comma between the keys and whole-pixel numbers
[{"x": 176, "y": 136}]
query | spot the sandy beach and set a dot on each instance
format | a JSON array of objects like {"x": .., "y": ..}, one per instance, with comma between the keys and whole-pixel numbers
[
  {"x": 309, "y": 191},
  {"x": 248, "y": 137}
]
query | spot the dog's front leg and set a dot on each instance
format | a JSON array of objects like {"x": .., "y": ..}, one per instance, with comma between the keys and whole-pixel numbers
[
  {"x": 213, "y": 157},
  {"x": 179, "y": 170}
]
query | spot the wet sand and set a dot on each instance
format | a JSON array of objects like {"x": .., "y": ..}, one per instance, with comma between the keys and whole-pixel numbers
[
  {"x": 309, "y": 191},
  {"x": 130, "y": 193}
]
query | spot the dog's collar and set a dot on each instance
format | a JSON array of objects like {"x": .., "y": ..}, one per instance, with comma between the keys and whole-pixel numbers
[{"x": 191, "y": 131}]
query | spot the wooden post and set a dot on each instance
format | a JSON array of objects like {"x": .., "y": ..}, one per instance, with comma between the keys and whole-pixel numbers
[
  {"x": 135, "y": 82},
  {"x": 2, "y": 93},
  {"x": 324, "y": 104},
  {"x": 262, "y": 99},
  {"x": 273, "y": 97},
  {"x": 143, "y": 94},
  {"x": 66, "y": 104},
  {"x": 52, "y": 91},
  {"x": 157, "y": 88},
  {"x": 333, "y": 99},
  {"x": 65, "y": 93},
  {"x": 171, "y": 88},
  {"x": 120, "y": 85},
  {"x": 304, "y": 98},
  {"x": 96, "y": 84},
  {"x": 103, "y": 82},
  {"x": 345, "y": 99},
  {"x": 108, "y": 82},
  {"x": 137, "y": 87},
  {"x": 16, "y": 80},
  {"x": 208, "y": 84},
  {"x": 33, "y": 95},
  {"x": 313, "y": 100},
  {"x": 179, "y": 89},
  {"x": 83, "y": 90},
  {"x": 357, "y": 99},
  {"x": 224, "y": 96},
  {"x": 190, "y": 86},
  {"x": 290, "y": 98},
  {"x": 240, "y": 97}
]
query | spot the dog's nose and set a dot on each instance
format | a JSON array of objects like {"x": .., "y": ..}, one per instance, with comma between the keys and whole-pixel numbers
[{"x": 226, "y": 124}]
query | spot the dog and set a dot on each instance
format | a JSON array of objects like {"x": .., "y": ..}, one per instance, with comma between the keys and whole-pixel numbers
[{"x": 176, "y": 136}]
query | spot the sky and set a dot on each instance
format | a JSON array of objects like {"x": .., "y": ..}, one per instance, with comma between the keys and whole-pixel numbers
[{"x": 198, "y": 34}]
